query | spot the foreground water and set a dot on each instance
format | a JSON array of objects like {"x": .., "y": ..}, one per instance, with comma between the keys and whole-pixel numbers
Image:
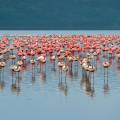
[{"x": 41, "y": 97}]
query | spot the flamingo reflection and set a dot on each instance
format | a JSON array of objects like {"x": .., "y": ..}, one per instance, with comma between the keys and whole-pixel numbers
[
  {"x": 106, "y": 84},
  {"x": 86, "y": 83}
]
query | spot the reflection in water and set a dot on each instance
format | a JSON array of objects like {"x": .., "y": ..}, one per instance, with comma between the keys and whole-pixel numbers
[
  {"x": 73, "y": 73},
  {"x": 63, "y": 88},
  {"x": 43, "y": 73},
  {"x": 53, "y": 62},
  {"x": 15, "y": 87},
  {"x": 106, "y": 85},
  {"x": 62, "y": 85},
  {"x": 118, "y": 66},
  {"x": 87, "y": 82},
  {"x": 2, "y": 83},
  {"x": 33, "y": 74},
  {"x": 43, "y": 77}
]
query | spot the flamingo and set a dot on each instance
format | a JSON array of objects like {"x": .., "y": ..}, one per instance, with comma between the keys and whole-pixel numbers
[
  {"x": 106, "y": 64},
  {"x": 2, "y": 84},
  {"x": 42, "y": 60},
  {"x": 63, "y": 50},
  {"x": 16, "y": 69},
  {"x": 65, "y": 69}
]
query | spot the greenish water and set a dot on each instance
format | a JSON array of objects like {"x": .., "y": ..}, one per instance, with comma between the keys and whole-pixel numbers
[
  {"x": 40, "y": 96},
  {"x": 59, "y": 14}
]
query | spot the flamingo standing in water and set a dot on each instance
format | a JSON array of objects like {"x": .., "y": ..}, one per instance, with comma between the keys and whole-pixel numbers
[
  {"x": 63, "y": 87},
  {"x": 16, "y": 69},
  {"x": 106, "y": 64},
  {"x": 32, "y": 54},
  {"x": 65, "y": 69},
  {"x": 53, "y": 58},
  {"x": 65, "y": 50},
  {"x": 70, "y": 61},
  {"x": 2, "y": 84},
  {"x": 42, "y": 61}
]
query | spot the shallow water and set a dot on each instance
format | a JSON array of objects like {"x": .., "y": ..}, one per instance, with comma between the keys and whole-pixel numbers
[{"x": 42, "y": 96}]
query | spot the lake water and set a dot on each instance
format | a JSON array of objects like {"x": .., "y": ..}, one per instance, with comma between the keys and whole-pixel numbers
[
  {"x": 41, "y": 96},
  {"x": 59, "y": 14}
]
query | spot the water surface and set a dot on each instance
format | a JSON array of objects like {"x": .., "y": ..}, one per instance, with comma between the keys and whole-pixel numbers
[{"x": 40, "y": 96}]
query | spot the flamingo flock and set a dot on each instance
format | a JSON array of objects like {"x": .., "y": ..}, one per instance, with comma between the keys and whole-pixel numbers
[{"x": 61, "y": 51}]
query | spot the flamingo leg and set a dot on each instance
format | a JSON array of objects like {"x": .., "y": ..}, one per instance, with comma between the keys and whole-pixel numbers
[{"x": 65, "y": 77}]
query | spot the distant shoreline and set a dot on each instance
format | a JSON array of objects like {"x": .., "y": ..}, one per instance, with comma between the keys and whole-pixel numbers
[{"x": 61, "y": 32}]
